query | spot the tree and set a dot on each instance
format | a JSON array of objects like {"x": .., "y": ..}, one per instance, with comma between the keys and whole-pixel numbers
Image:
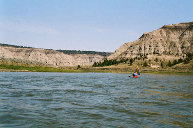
[
  {"x": 169, "y": 64},
  {"x": 162, "y": 65},
  {"x": 156, "y": 59},
  {"x": 188, "y": 58},
  {"x": 95, "y": 64},
  {"x": 145, "y": 64},
  {"x": 78, "y": 66},
  {"x": 186, "y": 61},
  {"x": 175, "y": 62},
  {"x": 131, "y": 61},
  {"x": 180, "y": 60}
]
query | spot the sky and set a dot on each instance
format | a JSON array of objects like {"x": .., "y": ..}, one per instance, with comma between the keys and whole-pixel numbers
[{"x": 93, "y": 25}]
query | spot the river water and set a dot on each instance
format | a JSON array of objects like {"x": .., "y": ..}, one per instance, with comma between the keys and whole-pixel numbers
[{"x": 94, "y": 100}]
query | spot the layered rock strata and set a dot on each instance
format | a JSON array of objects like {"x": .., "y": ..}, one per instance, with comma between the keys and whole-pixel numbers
[
  {"x": 168, "y": 42},
  {"x": 47, "y": 57}
]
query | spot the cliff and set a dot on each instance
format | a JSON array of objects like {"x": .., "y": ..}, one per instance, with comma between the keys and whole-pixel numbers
[
  {"x": 167, "y": 43},
  {"x": 46, "y": 57}
]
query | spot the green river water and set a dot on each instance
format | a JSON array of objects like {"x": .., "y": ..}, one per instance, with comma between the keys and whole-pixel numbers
[{"x": 95, "y": 100}]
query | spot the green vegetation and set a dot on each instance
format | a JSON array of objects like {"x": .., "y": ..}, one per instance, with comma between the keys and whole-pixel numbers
[
  {"x": 131, "y": 61},
  {"x": 15, "y": 46},
  {"x": 109, "y": 62},
  {"x": 113, "y": 62},
  {"x": 78, "y": 67},
  {"x": 189, "y": 56},
  {"x": 162, "y": 64},
  {"x": 35, "y": 68},
  {"x": 84, "y": 52},
  {"x": 175, "y": 62},
  {"x": 169, "y": 64},
  {"x": 145, "y": 64},
  {"x": 156, "y": 59},
  {"x": 180, "y": 60},
  {"x": 113, "y": 69}
]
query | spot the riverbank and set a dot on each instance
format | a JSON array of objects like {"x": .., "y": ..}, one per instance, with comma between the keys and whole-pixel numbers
[
  {"x": 106, "y": 69},
  {"x": 31, "y": 68}
]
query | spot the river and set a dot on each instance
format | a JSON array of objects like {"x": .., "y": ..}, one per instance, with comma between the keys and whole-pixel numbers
[{"x": 94, "y": 100}]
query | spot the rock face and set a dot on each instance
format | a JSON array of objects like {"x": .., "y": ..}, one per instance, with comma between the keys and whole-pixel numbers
[
  {"x": 47, "y": 57},
  {"x": 168, "y": 42}
]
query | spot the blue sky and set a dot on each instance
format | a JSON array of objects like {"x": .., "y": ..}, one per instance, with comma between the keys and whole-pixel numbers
[{"x": 99, "y": 25}]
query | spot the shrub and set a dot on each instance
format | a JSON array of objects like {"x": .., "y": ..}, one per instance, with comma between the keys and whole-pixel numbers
[
  {"x": 145, "y": 64},
  {"x": 169, "y": 64},
  {"x": 180, "y": 60},
  {"x": 131, "y": 61},
  {"x": 162, "y": 65},
  {"x": 175, "y": 62},
  {"x": 188, "y": 58},
  {"x": 109, "y": 62}
]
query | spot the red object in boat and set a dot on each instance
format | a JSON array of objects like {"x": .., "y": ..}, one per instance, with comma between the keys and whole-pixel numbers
[{"x": 135, "y": 77}]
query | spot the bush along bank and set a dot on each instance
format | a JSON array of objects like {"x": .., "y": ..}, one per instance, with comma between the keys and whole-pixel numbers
[{"x": 109, "y": 62}]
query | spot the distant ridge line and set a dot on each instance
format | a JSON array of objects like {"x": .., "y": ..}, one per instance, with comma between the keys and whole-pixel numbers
[
  {"x": 84, "y": 52},
  {"x": 105, "y": 54}
]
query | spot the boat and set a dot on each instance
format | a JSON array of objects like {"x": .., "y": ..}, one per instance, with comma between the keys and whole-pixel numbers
[{"x": 135, "y": 76}]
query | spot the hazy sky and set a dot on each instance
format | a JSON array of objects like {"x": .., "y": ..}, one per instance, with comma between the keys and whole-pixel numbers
[{"x": 100, "y": 25}]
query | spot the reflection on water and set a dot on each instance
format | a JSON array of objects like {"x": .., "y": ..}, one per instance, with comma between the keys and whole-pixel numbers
[{"x": 95, "y": 100}]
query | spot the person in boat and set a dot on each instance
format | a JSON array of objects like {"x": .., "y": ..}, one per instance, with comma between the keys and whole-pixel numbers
[{"x": 137, "y": 71}]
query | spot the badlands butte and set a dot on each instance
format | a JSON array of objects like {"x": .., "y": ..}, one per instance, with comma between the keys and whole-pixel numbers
[
  {"x": 166, "y": 49},
  {"x": 46, "y": 57}
]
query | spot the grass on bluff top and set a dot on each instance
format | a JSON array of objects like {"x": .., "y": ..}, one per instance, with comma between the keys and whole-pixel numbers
[{"x": 35, "y": 68}]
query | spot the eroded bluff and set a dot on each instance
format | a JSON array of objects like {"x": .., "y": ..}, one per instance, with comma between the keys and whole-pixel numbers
[
  {"x": 47, "y": 57},
  {"x": 168, "y": 42}
]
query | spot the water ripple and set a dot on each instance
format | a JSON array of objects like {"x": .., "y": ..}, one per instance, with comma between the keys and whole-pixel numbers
[{"x": 95, "y": 100}]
